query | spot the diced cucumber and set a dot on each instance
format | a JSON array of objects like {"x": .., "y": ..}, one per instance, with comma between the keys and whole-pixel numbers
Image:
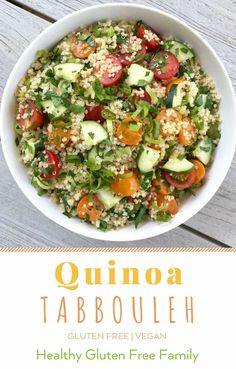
[
  {"x": 93, "y": 162},
  {"x": 180, "y": 50},
  {"x": 108, "y": 198},
  {"x": 139, "y": 76},
  {"x": 38, "y": 182},
  {"x": 64, "y": 87},
  {"x": 32, "y": 147},
  {"x": 19, "y": 131},
  {"x": 170, "y": 96},
  {"x": 201, "y": 100},
  {"x": 178, "y": 92},
  {"x": 109, "y": 156},
  {"x": 68, "y": 71},
  {"x": 175, "y": 96},
  {"x": 152, "y": 93},
  {"x": 178, "y": 165},
  {"x": 178, "y": 96},
  {"x": 121, "y": 151},
  {"x": 50, "y": 108},
  {"x": 93, "y": 133},
  {"x": 110, "y": 128},
  {"x": 148, "y": 159},
  {"x": 203, "y": 150}
]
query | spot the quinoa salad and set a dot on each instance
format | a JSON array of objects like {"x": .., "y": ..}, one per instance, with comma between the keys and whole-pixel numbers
[{"x": 117, "y": 124}]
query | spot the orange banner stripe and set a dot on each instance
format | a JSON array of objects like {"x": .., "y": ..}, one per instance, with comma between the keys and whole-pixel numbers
[{"x": 114, "y": 249}]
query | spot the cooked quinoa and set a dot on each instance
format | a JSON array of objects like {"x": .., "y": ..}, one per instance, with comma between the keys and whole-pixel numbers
[{"x": 117, "y": 124}]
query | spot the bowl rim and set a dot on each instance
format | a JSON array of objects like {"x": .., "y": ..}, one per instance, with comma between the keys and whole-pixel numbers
[{"x": 107, "y": 236}]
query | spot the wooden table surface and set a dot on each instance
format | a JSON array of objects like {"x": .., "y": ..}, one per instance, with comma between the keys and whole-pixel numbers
[{"x": 20, "y": 223}]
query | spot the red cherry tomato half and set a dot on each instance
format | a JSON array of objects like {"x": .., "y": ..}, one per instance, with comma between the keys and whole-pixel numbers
[
  {"x": 145, "y": 97},
  {"x": 164, "y": 65},
  {"x": 34, "y": 119},
  {"x": 94, "y": 113},
  {"x": 127, "y": 58},
  {"x": 54, "y": 162},
  {"x": 181, "y": 181},
  {"x": 113, "y": 73},
  {"x": 140, "y": 54},
  {"x": 153, "y": 42}
]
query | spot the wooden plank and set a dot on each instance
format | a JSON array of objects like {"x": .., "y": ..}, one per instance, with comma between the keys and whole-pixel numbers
[
  {"x": 14, "y": 38},
  {"x": 17, "y": 29}
]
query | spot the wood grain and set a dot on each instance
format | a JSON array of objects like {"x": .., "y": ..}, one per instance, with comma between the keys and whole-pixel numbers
[
  {"x": 17, "y": 29},
  {"x": 19, "y": 221}
]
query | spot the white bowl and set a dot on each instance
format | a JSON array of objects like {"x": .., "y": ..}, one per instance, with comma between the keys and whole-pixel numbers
[{"x": 165, "y": 24}]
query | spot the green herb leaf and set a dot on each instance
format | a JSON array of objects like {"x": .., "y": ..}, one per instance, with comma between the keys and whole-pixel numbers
[
  {"x": 104, "y": 94},
  {"x": 125, "y": 89},
  {"x": 121, "y": 39},
  {"x": 103, "y": 225},
  {"x": 198, "y": 121},
  {"x": 37, "y": 102},
  {"x": 140, "y": 216},
  {"x": 41, "y": 192},
  {"x": 82, "y": 37},
  {"x": 171, "y": 148},
  {"x": 205, "y": 148},
  {"x": 146, "y": 182},
  {"x": 142, "y": 110},
  {"x": 185, "y": 69},
  {"x": 61, "y": 125},
  {"x": 194, "y": 111},
  {"x": 214, "y": 131},
  {"x": 209, "y": 102},
  {"x": 80, "y": 91},
  {"x": 163, "y": 217},
  {"x": 17, "y": 141},
  {"x": 42, "y": 53},
  {"x": 91, "y": 135},
  {"x": 203, "y": 90},
  {"x": 74, "y": 159},
  {"x": 73, "y": 108},
  {"x": 63, "y": 100},
  {"x": 184, "y": 50}
]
